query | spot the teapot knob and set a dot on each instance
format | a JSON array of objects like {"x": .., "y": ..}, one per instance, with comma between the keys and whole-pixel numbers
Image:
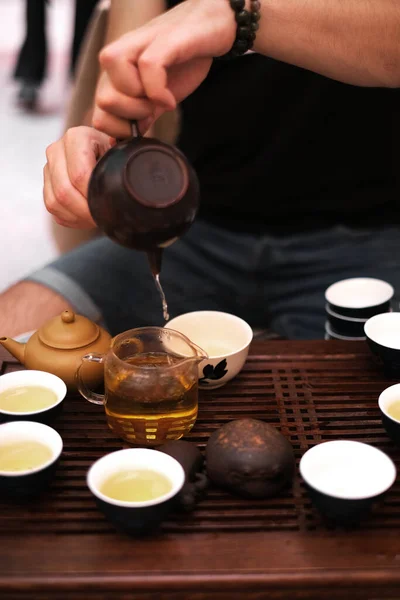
[{"x": 68, "y": 316}]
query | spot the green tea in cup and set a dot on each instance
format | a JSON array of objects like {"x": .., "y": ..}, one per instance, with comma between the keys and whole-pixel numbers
[
  {"x": 136, "y": 485},
  {"x": 23, "y": 455},
  {"x": 27, "y": 398},
  {"x": 394, "y": 410}
]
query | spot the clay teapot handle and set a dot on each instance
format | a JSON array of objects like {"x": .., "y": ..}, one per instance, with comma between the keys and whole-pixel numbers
[{"x": 134, "y": 130}]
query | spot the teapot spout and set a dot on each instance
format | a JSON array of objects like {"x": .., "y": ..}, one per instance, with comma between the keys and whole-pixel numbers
[{"x": 17, "y": 349}]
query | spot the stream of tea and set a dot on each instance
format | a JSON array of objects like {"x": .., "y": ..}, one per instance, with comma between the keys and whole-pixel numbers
[
  {"x": 155, "y": 259},
  {"x": 162, "y": 296}
]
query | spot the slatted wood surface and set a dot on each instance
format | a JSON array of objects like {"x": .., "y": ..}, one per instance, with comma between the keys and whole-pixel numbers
[{"x": 310, "y": 391}]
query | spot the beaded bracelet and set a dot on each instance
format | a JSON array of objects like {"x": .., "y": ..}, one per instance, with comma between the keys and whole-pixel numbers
[{"x": 246, "y": 27}]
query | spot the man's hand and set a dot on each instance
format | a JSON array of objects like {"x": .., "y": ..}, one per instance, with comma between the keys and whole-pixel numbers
[
  {"x": 150, "y": 70},
  {"x": 70, "y": 162}
]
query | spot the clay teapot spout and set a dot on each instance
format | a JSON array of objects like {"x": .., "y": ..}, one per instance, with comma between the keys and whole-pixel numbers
[{"x": 17, "y": 349}]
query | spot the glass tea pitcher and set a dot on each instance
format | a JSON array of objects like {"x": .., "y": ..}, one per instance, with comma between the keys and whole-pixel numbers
[{"x": 151, "y": 385}]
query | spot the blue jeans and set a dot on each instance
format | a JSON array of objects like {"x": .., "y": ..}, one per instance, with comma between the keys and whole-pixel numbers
[{"x": 270, "y": 281}]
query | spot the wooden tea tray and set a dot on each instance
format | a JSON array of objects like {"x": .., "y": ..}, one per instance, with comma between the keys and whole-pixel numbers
[{"x": 61, "y": 546}]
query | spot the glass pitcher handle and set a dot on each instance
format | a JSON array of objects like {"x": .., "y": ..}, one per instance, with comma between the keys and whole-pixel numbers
[{"x": 82, "y": 387}]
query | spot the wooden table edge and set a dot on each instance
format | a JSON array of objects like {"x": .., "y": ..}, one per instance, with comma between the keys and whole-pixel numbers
[{"x": 386, "y": 578}]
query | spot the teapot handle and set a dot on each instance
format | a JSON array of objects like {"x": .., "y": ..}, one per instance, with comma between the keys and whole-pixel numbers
[
  {"x": 82, "y": 387},
  {"x": 134, "y": 130}
]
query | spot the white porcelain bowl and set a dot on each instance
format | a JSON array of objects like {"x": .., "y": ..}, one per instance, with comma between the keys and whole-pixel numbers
[
  {"x": 224, "y": 337},
  {"x": 135, "y": 516},
  {"x": 33, "y": 480},
  {"x": 32, "y": 377}
]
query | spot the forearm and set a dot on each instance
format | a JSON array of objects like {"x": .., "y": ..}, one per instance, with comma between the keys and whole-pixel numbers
[
  {"x": 26, "y": 306},
  {"x": 126, "y": 15},
  {"x": 353, "y": 41}
]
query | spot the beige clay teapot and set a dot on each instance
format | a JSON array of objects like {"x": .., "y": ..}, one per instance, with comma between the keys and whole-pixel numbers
[{"x": 58, "y": 346}]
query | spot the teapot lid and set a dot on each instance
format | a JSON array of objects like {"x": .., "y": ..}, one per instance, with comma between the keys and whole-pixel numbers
[{"x": 68, "y": 331}]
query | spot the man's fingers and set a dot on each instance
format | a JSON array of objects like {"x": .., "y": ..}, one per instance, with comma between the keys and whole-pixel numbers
[
  {"x": 153, "y": 64},
  {"x": 63, "y": 199},
  {"x": 114, "y": 126},
  {"x": 61, "y": 215},
  {"x": 112, "y": 101},
  {"x": 125, "y": 63},
  {"x": 155, "y": 82},
  {"x": 118, "y": 61},
  {"x": 82, "y": 148}
]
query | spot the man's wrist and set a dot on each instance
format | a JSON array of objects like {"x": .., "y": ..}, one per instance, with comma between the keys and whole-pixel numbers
[{"x": 246, "y": 14}]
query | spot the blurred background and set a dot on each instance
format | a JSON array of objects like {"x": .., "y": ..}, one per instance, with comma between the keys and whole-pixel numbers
[{"x": 25, "y": 235}]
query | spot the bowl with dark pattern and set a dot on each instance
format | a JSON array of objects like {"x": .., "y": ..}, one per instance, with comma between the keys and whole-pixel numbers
[{"x": 224, "y": 337}]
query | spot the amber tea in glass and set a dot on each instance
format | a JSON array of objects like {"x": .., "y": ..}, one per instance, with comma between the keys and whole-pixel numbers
[
  {"x": 151, "y": 385},
  {"x": 144, "y": 413}
]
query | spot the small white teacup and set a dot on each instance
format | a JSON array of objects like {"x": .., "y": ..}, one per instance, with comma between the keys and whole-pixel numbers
[
  {"x": 36, "y": 396},
  {"x": 224, "y": 337}
]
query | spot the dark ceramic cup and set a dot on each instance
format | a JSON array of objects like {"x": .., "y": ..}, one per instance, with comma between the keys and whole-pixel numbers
[
  {"x": 330, "y": 333},
  {"x": 359, "y": 297},
  {"x": 136, "y": 518},
  {"x": 345, "y": 478},
  {"x": 383, "y": 337},
  {"x": 348, "y": 326},
  {"x": 19, "y": 379},
  {"x": 387, "y": 398},
  {"x": 25, "y": 484}
]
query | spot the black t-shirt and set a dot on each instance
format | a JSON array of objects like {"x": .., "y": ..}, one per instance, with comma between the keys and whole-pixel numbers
[{"x": 278, "y": 147}]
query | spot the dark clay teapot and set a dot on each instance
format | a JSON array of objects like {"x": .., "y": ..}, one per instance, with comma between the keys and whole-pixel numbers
[{"x": 143, "y": 194}]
